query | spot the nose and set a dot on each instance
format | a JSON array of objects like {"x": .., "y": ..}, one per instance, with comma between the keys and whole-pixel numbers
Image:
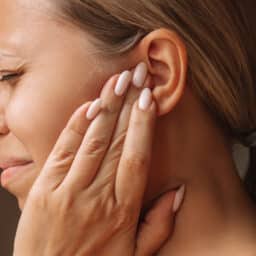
[{"x": 3, "y": 124}]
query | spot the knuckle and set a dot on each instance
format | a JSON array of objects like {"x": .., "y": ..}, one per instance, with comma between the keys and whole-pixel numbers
[
  {"x": 64, "y": 148},
  {"x": 125, "y": 217},
  {"x": 135, "y": 161},
  {"x": 62, "y": 157},
  {"x": 95, "y": 146},
  {"x": 118, "y": 141},
  {"x": 137, "y": 122},
  {"x": 101, "y": 208},
  {"x": 111, "y": 108}
]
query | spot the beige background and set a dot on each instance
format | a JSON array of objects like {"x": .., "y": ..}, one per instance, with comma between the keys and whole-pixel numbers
[{"x": 9, "y": 212}]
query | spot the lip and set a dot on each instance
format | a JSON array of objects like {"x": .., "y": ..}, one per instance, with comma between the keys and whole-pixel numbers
[
  {"x": 11, "y": 162},
  {"x": 13, "y": 170}
]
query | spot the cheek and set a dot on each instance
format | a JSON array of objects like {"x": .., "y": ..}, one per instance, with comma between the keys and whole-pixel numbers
[{"x": 38, "y": 112}]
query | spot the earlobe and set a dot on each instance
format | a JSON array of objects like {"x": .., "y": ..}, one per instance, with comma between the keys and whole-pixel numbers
[{"x": 166, "y": 57}]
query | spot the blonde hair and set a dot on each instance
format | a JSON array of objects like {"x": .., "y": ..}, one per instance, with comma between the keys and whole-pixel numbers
[{"x": 213, "y": 31}]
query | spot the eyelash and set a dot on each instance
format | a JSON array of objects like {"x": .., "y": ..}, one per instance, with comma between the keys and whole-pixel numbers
[{"x": 8, "y": 77}]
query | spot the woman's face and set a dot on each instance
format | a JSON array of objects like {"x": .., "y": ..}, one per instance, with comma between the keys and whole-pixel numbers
[{"x": 58, "y": 74}]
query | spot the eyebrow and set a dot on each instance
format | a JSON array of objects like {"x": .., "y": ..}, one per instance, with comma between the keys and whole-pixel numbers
[
  {"x": 8, "y": 55},
  {"x": 17, "y": 64}
]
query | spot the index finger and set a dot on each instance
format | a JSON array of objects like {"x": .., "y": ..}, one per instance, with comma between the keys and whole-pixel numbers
[{"x": 132, "y": 173}]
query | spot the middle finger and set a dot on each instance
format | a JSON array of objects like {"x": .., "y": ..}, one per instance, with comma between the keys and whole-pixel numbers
[
  {"x": 98, "y": 135},
  {"x": 110, "y": 162}
]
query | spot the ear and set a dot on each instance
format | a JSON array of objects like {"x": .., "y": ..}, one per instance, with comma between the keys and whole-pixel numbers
[{"x": 166, "y": 56}]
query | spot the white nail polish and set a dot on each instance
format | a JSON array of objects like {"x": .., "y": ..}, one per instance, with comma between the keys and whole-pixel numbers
[
  {"x": 123, "y": 82},
  {"x": 145, "y": 99},
  {"x": 94, "y": 109},
  {"x": 140, "y": 74},
  {"x": 178, "y": 198}
]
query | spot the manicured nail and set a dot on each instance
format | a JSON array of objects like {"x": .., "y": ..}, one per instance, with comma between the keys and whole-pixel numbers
[
  {"x": 140, "y": 74},
  {"x": 123, "y": 82},
  {"x": 145, "y": 99},
  {"x": 94, "y": 109},
  {"x": 178, "y": 198}
]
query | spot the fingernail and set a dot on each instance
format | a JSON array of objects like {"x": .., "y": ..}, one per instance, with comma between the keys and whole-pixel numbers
[
  {"x": 140, "y": 74},
  {"x": 123, "y": 82},
  {"x": 178, "y": 198},
  {"x": 145, "y": 99},
  {"x": 94, "y": 109}
]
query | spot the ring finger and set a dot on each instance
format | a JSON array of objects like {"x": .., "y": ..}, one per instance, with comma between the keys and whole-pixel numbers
[
  {"x": 99, "y": 133},
  {"x": 110, "y": 162}
]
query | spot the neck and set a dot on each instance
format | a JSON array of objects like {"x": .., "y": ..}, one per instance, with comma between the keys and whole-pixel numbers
[
  {"x": 214, "y": 216},
  {"x": 217, "y": 213}
]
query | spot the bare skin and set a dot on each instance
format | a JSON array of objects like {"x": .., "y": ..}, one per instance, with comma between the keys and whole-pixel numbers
[
  {"x": 189, "y": 146},
  {"x": 81, "y": 203},
  {"x": 151, "y": 234}
]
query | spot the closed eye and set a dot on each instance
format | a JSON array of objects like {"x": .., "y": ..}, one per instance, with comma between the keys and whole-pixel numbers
[{"x": 8, "y": 77}]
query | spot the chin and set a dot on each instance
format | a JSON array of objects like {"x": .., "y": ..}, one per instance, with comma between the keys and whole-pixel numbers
[
  {"x": 21, "y": 202},
  {"x": 20, "y": 197},
  {"x": 20, "y": 185}
]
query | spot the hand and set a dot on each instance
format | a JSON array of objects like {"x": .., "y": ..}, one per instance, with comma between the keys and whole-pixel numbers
[{"x": 88, "y": 196}]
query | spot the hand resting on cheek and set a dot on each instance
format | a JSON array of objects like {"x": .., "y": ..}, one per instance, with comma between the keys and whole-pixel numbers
[{"x": 88, "y": 197}]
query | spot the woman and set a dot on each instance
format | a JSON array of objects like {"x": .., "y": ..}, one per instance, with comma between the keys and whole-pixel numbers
[{"x": 200, "y": 112}]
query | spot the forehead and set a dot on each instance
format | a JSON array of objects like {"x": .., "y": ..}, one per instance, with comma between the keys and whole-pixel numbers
[
  {"x": 23, "y": 21},
  {"x": 33, "y": 29}
]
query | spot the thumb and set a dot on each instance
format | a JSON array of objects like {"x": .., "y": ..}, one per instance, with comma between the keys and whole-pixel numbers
[{"x": 158, "y": 223}]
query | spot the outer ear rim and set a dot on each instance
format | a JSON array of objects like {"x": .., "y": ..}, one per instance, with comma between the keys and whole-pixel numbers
[{"x": 166, "y": 106}]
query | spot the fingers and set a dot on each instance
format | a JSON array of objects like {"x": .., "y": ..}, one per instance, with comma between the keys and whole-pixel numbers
[
  {"x": 68, "y": 143},
  {"x": 158, "y": 224},
  {"x": 98, "y": 135},
  {"x": 110, "y": 162},
  {"x": 135, "y": 160},
  {"x": 66, "y": 147}
]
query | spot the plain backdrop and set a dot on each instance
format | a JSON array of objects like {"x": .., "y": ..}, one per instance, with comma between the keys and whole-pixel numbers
[{"x": 9, "y": 212}]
